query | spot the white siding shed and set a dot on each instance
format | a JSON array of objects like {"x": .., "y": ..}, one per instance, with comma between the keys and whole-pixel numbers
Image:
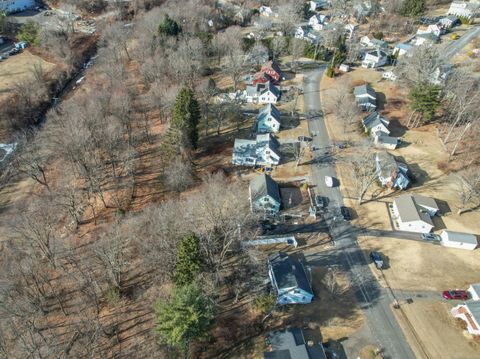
[{"x": 459, "y": 240}]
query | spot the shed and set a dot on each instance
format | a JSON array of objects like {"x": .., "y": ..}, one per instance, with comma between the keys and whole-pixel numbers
[
  {"x": 344, "y": 68},
  {"x": 459, "y": 240}
]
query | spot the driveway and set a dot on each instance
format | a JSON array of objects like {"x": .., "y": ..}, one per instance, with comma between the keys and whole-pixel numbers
[
  {"x": 383, "y": 329},
  {"x": 456, "y": 46}
]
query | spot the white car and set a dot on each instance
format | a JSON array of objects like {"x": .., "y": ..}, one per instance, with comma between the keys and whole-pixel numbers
[{"x": 329, "y": 181}]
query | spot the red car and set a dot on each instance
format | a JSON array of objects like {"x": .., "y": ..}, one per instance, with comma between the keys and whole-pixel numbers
[{"x": 455, "y": 294}]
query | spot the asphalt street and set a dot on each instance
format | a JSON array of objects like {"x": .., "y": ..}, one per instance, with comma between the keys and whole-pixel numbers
[
  {"x": 373, "y": 299},
  {"x": 455, "y": 46}
]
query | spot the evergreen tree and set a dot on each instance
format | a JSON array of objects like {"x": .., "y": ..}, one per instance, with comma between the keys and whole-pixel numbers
[
  {"x": 169, "y": 27},
  {"x": 188, "y": 260},
  {"x": 29, "y": 32},
  {"x": 186, "y": 116},
  {"x": 425, "y": 98},
  {"x": 413, "y": 7},
  {"x": 187, "y": 316}
]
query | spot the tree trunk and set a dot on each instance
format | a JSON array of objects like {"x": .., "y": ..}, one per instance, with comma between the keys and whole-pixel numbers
[{"x": 458, "y": 141}]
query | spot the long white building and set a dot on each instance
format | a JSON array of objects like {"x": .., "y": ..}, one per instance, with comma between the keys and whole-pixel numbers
[{"x": 16, "y": 5}]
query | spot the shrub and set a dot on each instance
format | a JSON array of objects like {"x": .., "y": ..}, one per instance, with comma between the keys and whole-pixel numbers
[
  {"x": 265, "y": 303},
  {"x": 29, "y": 32},
  {"x": 169, "y": 27},
  {"x": 413, "y": 7},
  {"x": 378, "y": 35},
  {"x": 330, "y": 72}
]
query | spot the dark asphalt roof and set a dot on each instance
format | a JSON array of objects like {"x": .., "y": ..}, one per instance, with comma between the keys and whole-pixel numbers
[
  {"x": 372, "y": 120},
  {"x": 290, "y": 344},
  {"x": 263, "y": 185},
  {"x": 289, "y": 272},
  {"x": 270, "y": 109}
]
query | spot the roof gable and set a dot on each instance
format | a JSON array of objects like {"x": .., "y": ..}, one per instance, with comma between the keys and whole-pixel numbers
[
  {"x": 264, "y": 185},
  {"x": 289, "y": 272}
]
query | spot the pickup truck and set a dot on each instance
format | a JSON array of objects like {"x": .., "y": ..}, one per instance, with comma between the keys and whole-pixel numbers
[{"x": 377, "y": 259}]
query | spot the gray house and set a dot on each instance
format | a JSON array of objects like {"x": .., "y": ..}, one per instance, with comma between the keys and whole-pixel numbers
[
  {"x": 365, "y": 97},
  {"x": 262, "y": 151},
  {"x": 289, "y": 279},
  {"x": 290, "y": 344},
  {"x": 391, "y": 173},
  {"x": 268, "y": 120},
  {"x": 264, "y": 194}
]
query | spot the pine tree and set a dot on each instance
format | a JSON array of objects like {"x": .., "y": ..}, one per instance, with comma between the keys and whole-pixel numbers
[
  {"x": 413, "y": 7},
  {"x": 169, "y": 27},
  {"x": 188, "y": 315},
  {"x": 186, "y": 116},
  {"x": 189, "y": 261},
  {"x": 425, "y": 98}
]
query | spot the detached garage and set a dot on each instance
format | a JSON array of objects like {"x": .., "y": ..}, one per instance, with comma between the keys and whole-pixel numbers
[{"x": 459, "y": 240}]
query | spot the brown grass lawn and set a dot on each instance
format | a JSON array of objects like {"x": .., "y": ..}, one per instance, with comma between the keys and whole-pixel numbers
[{"x": 18, "y": 68}]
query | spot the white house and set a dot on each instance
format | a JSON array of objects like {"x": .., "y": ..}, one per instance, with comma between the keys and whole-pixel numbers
[
  {"x": 459, "y": 240},
  {"x": 318, "y": 4},
  {"x": 436, "y": 29},
  {"x": 301, "y": 32},
  {"x": 389, "y": 75},
  {"x": 474, "y": 291},
  {"x": 402, "y": 49},
  {"x": 262, "y": 93},
  {"x": 467, "y": 9},
  {"x": 268, "y": 119},
  {"x": 375, "y": 123},
  {"x": 318, "y": 21},
  {"x": 266, "y": 11},
  {"x": 425, "y": 39},
  {"x": 374, "y": 59},
  {"x": 372, "y": 42},
  {"x": 349, "y": 30},
  {"x": 264, "y": 194},
  {"x": 365, "y": 97},
  {"x": 390, "y": 172},
  {"x": 448, "y": 21},
  {"x": 263, "y": 151},
  {"x": 413, "y": 213},
  {"x": 469, "y": 312},
  {"x": 382, "y": 140}
]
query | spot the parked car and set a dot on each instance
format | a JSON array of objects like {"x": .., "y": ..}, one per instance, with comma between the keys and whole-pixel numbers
[
  {"x": 267, "y": 226},
  {"x": 455, "y": 294},
  {"x": 329, "y": 181},
  {"x": 431, "y": 237},
  {"x": 320, "y": 202},
  {"x": 377, "y": 259},
  {"x": 345, "y": 213},
  {"x": 305, "y": 139}
]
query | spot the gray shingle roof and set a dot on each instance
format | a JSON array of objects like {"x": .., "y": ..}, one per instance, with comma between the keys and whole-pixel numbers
[
  {"x": 374, "y": 119},
  {"x": 409, "y": 211},
  {"x": 290, "y": 344},
  {"x": 364, "y": 90},
  {"x": 268, "y": 110},
  {"x": 474, "y": 308},
  {"x": 264, "y": 185},
  {"x": 289, "y": 272}
]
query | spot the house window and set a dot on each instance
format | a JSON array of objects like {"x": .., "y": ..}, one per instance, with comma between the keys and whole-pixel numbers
[
  {"x": 296, "y": 291},
  {"x": 265, "y": 199},
  {"x": 267, "y": 152}
]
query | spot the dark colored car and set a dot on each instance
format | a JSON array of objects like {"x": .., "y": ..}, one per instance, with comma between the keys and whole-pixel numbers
[
  {"x": 377, "y": 259},
  {"x": 305, "y": 139},
  {"x": 345, "y": 213},
  {"x": 455, "y": 294},
  {"x": 320, "y": 202},
  {"x": 267, "y": 226}
]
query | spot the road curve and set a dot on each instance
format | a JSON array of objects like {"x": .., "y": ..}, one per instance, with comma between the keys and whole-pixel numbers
[{"x": 373, "y": 299}]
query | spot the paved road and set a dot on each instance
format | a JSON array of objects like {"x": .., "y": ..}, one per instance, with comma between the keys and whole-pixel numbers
[
  {"x": 457, "y": 45},
  {"x": 375, "y": 301}
]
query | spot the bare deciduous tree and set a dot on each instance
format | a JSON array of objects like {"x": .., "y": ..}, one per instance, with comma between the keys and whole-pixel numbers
[
  {"x": 179, "y": 175},
  {"x": 468, "y": 182}
]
